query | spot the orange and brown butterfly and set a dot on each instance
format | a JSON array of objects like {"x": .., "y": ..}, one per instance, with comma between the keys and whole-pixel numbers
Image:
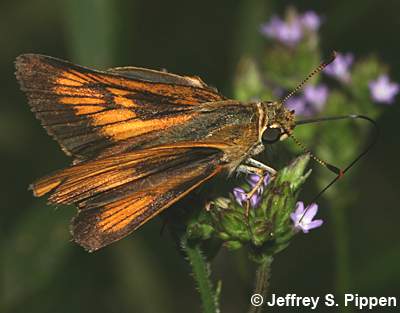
[{"x": 140, "y": 140}]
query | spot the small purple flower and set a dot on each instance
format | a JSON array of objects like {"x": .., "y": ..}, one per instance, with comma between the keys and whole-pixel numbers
[
  {"x": 255, "y": 200},
  {"x": 241, "y": 195},
  {"x": 316, "y": 96},
  {"x": 382, "y": 90},
  {"x": 288, "y": 33},
  {"x": 340, "y": 67},
  {"x": 299, "y": 105},
  {"x": 310, "y": 20},
  {"x": 270, "y": 29},
  {"x": 253, "y": 179},
  {"x": 303, "y": 217},
  {"x": 312, "y": 101}
]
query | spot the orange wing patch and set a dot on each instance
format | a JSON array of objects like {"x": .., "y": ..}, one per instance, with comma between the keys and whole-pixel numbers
[
  {"x": 111, "y": 117},
  {"x": 70, "y": 79},
  {"x": 87, "y": 109},
  {"x": 82, "y": 100},
  {"x": 137, "y": 127},
  {"x": 43, "y": 188},
  {"x": 119, "y": 214}
]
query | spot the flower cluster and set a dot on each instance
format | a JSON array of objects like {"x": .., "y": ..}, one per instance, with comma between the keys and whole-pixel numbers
[
  {"x": 264, "y": 221},
  {"x": 302, "y": 218},
  {"x": 263, "y": 224},
  {"x": 291, "y": 32}
]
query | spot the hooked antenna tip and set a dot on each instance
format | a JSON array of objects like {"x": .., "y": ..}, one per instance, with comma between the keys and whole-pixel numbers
[{"x": 334, "y": 169}]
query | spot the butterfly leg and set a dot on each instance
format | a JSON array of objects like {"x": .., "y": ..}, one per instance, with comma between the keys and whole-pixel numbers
[
  {"x": 258, "y": 168},
  {"x": 261, "y": 165}
]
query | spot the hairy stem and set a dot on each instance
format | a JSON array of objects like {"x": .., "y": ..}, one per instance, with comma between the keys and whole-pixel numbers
[
  {"x": 201, "y": 274},
  {"x": 263, "y": 275}
]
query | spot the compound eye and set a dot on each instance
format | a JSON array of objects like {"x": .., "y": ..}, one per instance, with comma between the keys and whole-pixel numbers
[{"x": 271, "y": 135}]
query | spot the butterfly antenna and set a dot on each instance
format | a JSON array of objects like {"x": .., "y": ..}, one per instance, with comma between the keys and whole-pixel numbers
[
  {"x": 339, "y": 173},
  {"x": 309, "y": 76}
]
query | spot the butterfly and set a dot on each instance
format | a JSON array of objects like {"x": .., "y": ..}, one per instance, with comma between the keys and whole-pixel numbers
[{"x": 140, "y": 140}]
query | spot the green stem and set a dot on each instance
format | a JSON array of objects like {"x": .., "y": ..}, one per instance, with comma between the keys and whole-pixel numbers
[
  {"x": 263, "y": 274},
  {"x": 201, "y": 275},
  {"x": 249, "y": 42},
  {"x": 91, "y": 31}
]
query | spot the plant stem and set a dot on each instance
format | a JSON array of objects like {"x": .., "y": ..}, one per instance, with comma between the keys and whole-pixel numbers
[
  {"x": 248, "y": 40},
  {"x": 201, "y": 274},
  {"x": 91, "y": 31},
  {"x": 263, "y": 275}
]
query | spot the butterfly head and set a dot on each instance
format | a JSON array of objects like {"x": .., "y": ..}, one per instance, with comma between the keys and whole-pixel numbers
[{"x": 279, "y": 122}]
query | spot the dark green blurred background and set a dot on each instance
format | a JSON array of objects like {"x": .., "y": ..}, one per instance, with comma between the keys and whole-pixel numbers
[{"x": 44, "y": 272}]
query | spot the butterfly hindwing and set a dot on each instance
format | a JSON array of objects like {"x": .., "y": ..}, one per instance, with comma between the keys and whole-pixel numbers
[
  {"x": 87, "y": 111},
  {"x": 116, "y": 195}
]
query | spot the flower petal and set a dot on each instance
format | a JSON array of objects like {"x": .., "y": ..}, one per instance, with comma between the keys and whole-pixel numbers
[
  {"x": 311, "y": 20},
  {"x": 299, "y": 208},
  {"x": 295, "y": 219},
  {"x": 240, "y": 195},
  {"x": 253, "y": 179},
  {"x": 339, "y": 68},
  {"x": 266, "y": 179},
  {"x": 298, "y": 104},
  {"x": 311, "y": 211},
  {"x": 289, "y": 33},
  {"x": 316, "y": 96},
  {"x": 314, "y": 224},
  {"x": 255, "y": 200}
]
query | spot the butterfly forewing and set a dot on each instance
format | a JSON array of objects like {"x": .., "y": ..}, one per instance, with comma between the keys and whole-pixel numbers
[{"x": 87, "y": 111}]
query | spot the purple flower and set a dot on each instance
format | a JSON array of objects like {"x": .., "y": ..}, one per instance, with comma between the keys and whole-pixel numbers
[
  {"x": 340, "y": 67},
  {"x": 255, "y": 200},
  {"x": 270, "y": 29},
  {"x": 288, "y": 33},
  {"x": 382, "y": 90},
  {"x": 241, "y": 195},
  {"x": 310, "y": 20},
  {"x": 299, "y": 105},
  {"x": 316, "y": 96},
  {"x": 253, "y": 180},
  {"x": 312, "y": 101},
  {"x": 303, "y": 217}
]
